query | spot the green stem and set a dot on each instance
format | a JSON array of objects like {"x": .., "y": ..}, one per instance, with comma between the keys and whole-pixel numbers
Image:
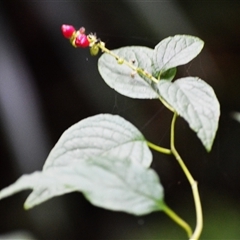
[
  {"x": 129, "y": 64},
  {"x": 178, "y": 220},
  {"x": 96, "y": 42},
  {"x": 193, "y": 183},
  {"x": 166, "y": 104},
  {"x": 158, "y": 148}
]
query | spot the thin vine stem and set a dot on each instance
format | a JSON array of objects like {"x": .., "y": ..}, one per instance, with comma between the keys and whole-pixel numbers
[
  {"x": 177, "y": 219},
  {"x": 129, "y": 64},
  {"x": 166, "y": 104},
  {"x": 165, "y": 208},
  {"x": 198, "y": 207}
]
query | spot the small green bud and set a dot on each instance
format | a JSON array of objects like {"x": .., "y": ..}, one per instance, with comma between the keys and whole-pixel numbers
[
  {"x": 120, "y": 60},
  {"x": 94, "y": 50}
]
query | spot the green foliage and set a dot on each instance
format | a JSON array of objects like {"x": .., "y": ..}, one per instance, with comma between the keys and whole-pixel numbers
[{"x": 167, "y": 75}]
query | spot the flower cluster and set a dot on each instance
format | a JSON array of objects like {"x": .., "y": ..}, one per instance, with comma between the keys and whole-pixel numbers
[{"x": 77, "y": 38}]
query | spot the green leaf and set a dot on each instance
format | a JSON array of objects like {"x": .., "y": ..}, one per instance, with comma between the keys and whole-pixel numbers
[
  {"x": 196, "y": 102},
  {"x": 121, "y": 77},
  {"x": 101, "y": 135},
  {"x": 169, "y": 74},
  {"x": 114, "y": 184},
  {"x": 175, "y": 51}
]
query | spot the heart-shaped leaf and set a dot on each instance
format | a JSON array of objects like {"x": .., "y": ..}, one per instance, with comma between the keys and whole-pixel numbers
[
  {"x": 101, "y": 135},
  {"x": 196, "y": 102}
]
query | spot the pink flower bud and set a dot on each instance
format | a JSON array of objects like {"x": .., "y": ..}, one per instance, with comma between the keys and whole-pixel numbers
[
  {"x": 82, "y": 41},
  {"x": 82, "y": 30},
  {"x": 67, "y": 30}
]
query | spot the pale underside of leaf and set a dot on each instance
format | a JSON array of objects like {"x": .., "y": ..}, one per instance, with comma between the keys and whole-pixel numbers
[
  {"x": 196, "y": 102},
  {"x": 100, "y": 135},
  {"x": 103, "y": 135},
  {"x": 175, "y": 51},
  {"x": 108, "y": 183},
  {"x": 125, "y": 186},
  {"x": 122, "y": 78}
]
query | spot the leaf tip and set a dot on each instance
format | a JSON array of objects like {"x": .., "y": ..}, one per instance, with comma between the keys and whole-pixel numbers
[
  {"x": 208, "y": 148},
  {"x": 27, "y": 206}
]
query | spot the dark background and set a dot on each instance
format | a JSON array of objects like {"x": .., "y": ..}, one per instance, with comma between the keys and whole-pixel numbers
[{"x": 46, "y": 86}]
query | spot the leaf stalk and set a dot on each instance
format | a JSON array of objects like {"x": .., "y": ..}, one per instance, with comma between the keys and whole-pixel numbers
[
  {"x": 198, "y": 208},
  {"x": 158, "y": 148},
  {"x": 177, "y": 219}
]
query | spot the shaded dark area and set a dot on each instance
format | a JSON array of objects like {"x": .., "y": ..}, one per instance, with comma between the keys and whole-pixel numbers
[{"x": 47, "y": 85}]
